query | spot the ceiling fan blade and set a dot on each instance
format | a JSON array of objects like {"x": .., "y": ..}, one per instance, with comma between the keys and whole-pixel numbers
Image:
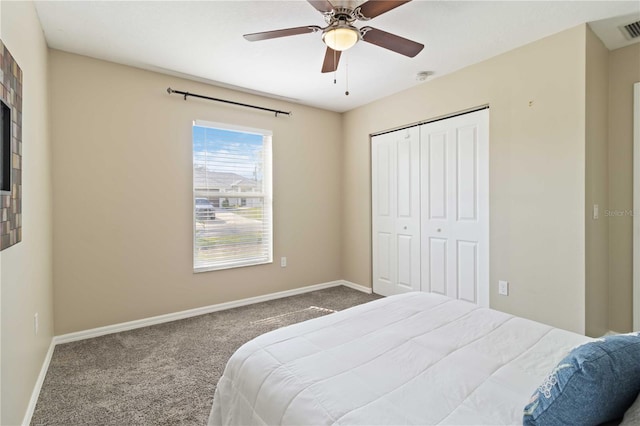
[
  {"x": 266, "y": 35},
  {"x": 373, "y": 8},
  {"x": 322, "y": 6},
  {"x": 331, "y": 60},
  {"x": 392, "y": 42}
]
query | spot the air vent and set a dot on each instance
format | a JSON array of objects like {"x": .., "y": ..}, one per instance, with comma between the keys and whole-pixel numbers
[{"x": 631, "y": 31}]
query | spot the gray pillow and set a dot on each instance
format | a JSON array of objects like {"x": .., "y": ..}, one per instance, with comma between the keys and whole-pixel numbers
[{"x": 632, "y": 416}]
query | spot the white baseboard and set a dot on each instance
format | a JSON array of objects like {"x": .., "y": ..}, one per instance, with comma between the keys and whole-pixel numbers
[
  {"x": 116, "y": 328},
  {"x": 36, "y": 388},
  {"x": 358, "y": 287}
]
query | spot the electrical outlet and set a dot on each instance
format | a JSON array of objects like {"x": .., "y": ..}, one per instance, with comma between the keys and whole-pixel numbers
[
  {"x": 35, "y": 324},
  {"x": 596, "y": 212},
  {"x": 503, "y": 288},
  {"x": 283, "y": 262}
]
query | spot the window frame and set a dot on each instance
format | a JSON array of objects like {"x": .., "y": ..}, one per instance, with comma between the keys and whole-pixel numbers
[{"x": 266, "y": 195}]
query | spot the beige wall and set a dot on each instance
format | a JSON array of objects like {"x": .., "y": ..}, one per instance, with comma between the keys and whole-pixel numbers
[
  {"x": 123, "y": 206},
  {"x": 597, "y": 188},
  {"x": 624, "y": 70},
  {"x": 537, "y": 180},
  {"x": 26, "y": 267}
]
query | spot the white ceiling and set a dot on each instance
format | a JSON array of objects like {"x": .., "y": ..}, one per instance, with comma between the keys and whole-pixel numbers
[{"x": 203, "y": 40}]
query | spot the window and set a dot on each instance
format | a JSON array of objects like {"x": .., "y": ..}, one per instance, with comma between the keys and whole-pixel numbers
[{"x": 231, "y": 196}]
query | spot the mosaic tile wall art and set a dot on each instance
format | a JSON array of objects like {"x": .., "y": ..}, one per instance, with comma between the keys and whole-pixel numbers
[{"x": 11, "y": 157}]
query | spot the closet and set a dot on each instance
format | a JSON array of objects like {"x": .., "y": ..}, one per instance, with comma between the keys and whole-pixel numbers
[{"x": 430, "y": 208}]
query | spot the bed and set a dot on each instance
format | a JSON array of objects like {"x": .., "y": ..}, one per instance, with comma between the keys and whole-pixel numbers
[{"x": 416, "y": 358}]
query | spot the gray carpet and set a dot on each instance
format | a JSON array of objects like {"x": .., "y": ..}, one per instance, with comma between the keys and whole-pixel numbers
[{"x": 165, "y": 374}]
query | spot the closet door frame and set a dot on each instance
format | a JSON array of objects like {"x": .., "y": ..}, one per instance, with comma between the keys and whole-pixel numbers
[{"x": 483, "y": 288}]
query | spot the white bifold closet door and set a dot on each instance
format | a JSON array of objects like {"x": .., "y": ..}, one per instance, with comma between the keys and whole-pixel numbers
[
  {"x": 454, "y": 161},
  {"x": 396, "y": 211},
  {"x": 430, "y": 202}
]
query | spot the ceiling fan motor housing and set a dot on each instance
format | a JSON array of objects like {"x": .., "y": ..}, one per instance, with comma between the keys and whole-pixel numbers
[{"x": 340, "y": 14}]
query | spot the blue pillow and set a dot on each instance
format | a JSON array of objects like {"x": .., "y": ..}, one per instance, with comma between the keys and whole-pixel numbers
[{"x": 594, "y": 384}]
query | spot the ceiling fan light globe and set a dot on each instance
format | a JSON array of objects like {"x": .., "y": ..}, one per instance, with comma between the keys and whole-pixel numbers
[{"x": 341, "y": 39}]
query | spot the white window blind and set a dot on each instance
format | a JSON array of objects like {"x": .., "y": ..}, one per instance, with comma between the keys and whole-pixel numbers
[{"x": 232, "y": 206}]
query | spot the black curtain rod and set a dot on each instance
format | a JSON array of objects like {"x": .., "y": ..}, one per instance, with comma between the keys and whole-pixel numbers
[{"x": 185, "y": 94}]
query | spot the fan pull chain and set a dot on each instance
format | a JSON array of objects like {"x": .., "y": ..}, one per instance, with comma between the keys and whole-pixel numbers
[{"x": 346, "y": 93}]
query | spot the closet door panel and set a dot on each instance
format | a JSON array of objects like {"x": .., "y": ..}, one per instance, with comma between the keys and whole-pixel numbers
[
  {"x": 437, "y": 268},
  {"x": 455, "y": 207},
  {"x": 467, "y": 174},
  {"x": 396, "y": 212},
  {"x": 436, "y": 161},
  {"x": 467, "y": 274}
]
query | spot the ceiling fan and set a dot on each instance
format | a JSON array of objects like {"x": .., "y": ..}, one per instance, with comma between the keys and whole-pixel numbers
[{"x": 340, "y": 34}]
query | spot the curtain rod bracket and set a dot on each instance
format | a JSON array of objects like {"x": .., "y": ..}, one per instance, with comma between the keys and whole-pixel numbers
[{"x": 185, "y": 94}]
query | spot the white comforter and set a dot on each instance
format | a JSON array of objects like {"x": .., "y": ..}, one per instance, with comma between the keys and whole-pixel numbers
[{"x": 416, "y": 358}]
